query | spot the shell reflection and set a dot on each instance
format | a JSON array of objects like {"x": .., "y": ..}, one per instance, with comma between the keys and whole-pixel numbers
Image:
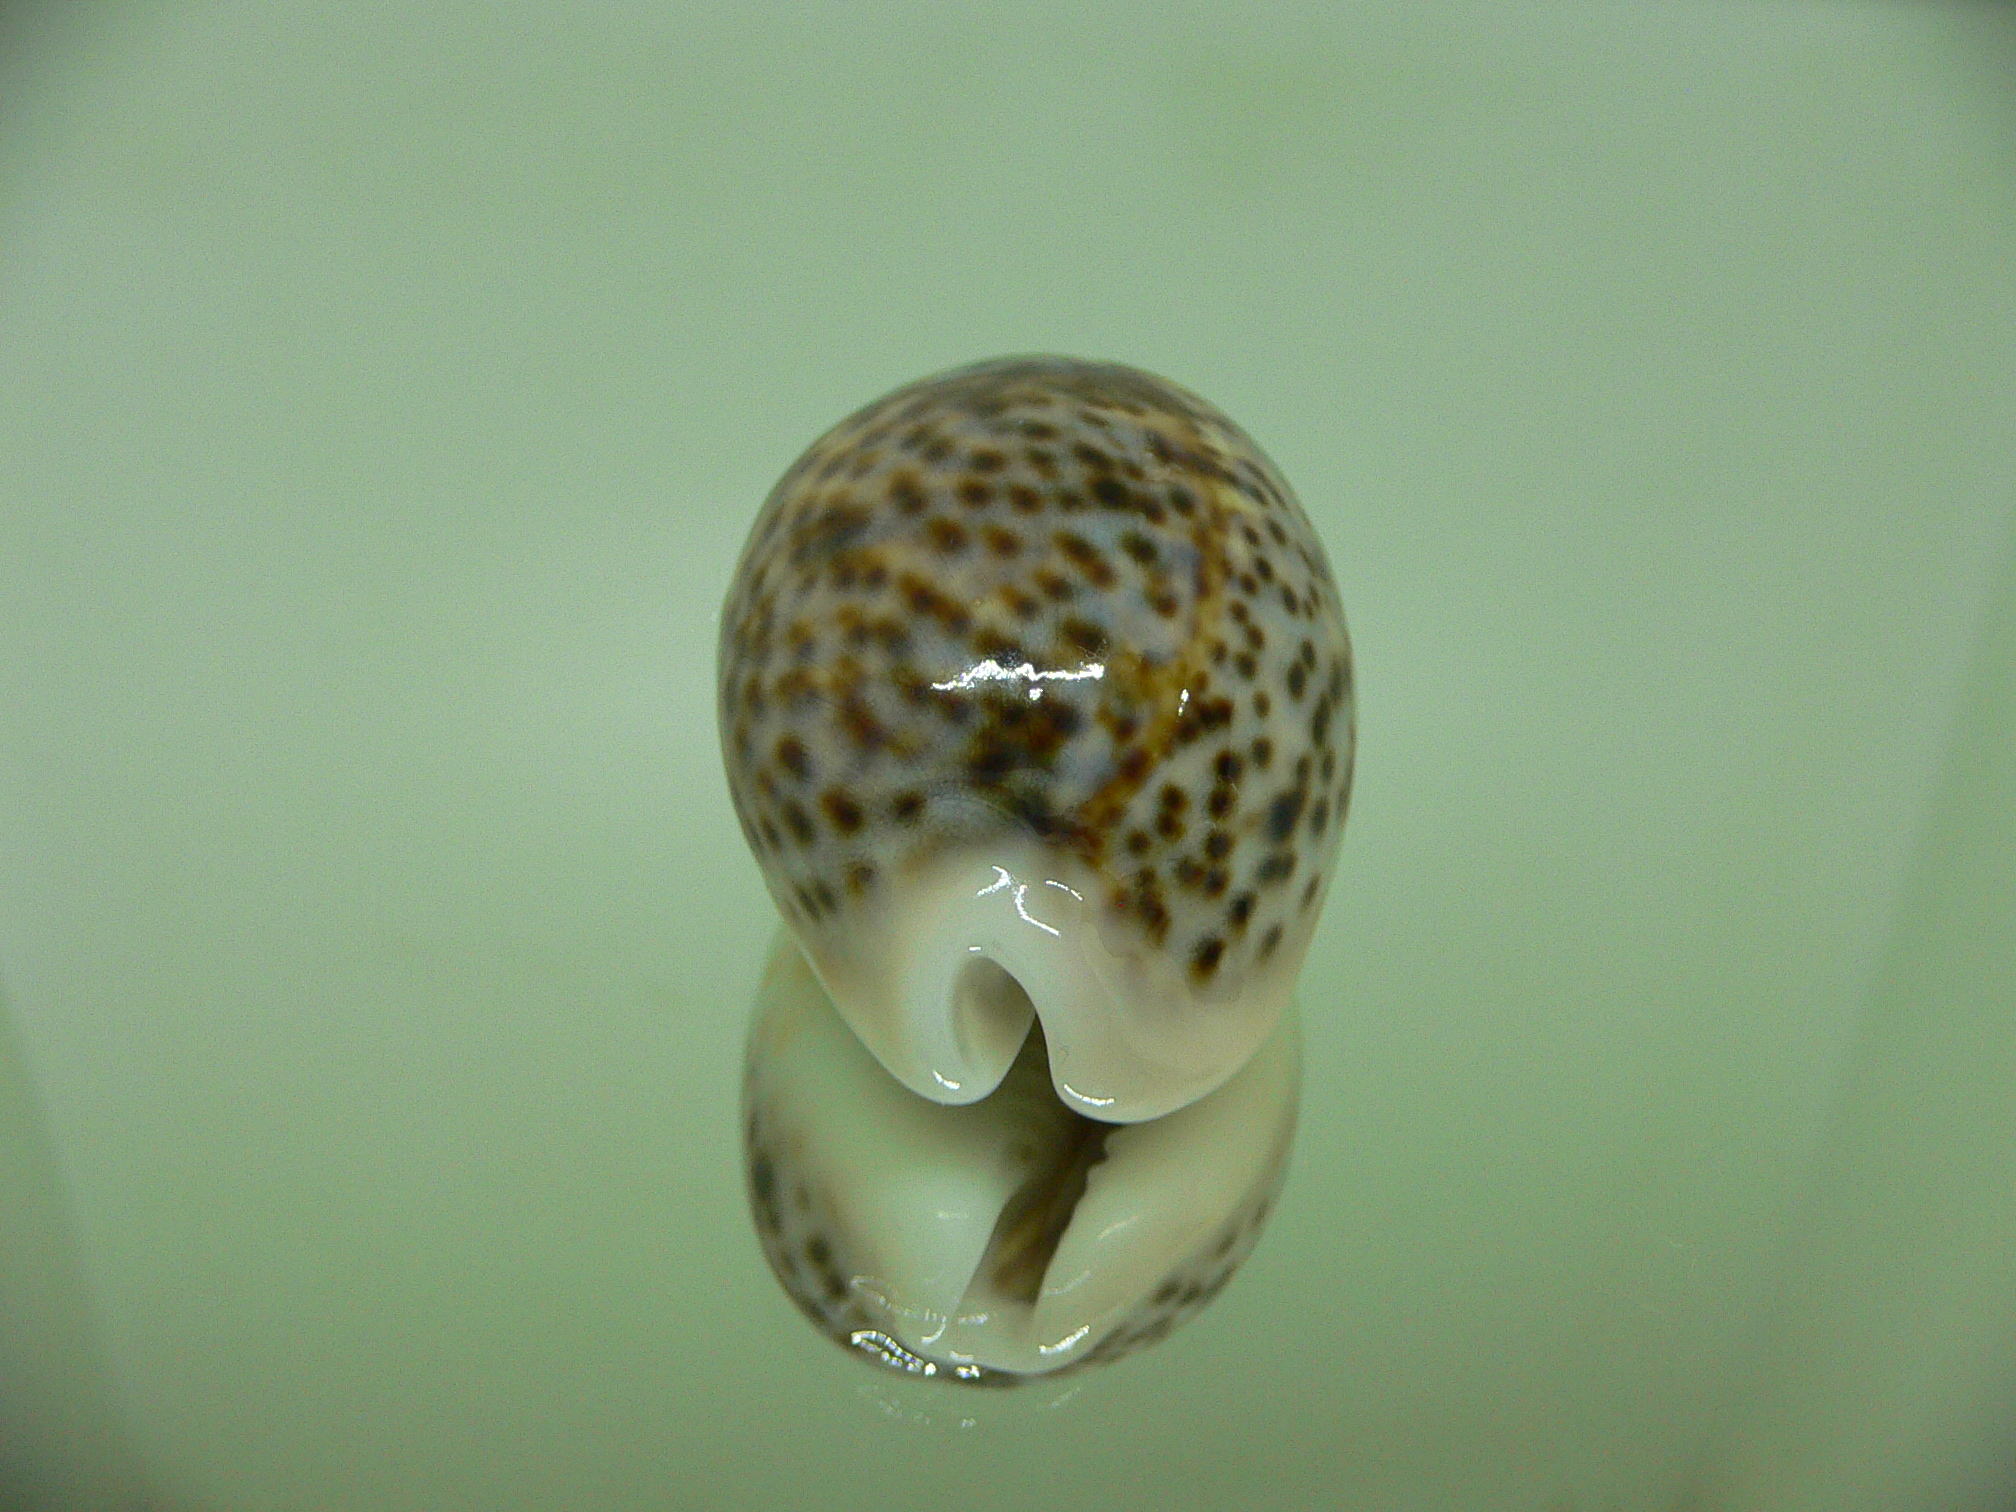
[{"x": 1005, "y": 1238}]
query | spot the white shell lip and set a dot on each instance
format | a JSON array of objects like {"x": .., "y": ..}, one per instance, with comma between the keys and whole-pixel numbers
[
  {"x": 942, "y": 980},
  {"x": 901, "y": 1197}
]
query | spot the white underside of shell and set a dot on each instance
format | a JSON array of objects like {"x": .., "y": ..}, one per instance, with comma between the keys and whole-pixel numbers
[
  {"x": 941, "y": 978},
  {"x": 909, "y": 1193}
]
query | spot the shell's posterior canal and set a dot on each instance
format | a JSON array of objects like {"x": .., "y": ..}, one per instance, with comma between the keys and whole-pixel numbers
[
  {"x": 1000, "y": 1240},
  {"x": 1036, "y": 698}
]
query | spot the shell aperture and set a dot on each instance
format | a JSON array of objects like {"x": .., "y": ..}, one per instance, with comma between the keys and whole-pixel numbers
[
  {"x": 1036, "y": 704},
  {"x": 1003, "y": 1240}
]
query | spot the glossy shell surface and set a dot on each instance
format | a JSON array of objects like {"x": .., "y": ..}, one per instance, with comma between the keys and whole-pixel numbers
[
  {"x": 1008, "y": 1239},
  {"x": 1060, "y": 630}
]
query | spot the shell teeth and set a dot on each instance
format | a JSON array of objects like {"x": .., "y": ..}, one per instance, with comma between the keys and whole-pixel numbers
[{"x": 1008, "y": 1235}]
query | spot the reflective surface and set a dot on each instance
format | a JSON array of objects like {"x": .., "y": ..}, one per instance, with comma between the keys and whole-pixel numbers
[
  {"x": 384, "y": 396},
  {"x": 1005, "y": 1240}
]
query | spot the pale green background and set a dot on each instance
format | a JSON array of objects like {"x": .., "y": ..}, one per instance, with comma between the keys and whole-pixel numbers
[{"x": 384, "y": 392}]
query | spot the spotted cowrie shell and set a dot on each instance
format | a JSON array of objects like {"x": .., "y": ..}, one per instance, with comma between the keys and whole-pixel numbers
[{"x": 1036, "y": 701}]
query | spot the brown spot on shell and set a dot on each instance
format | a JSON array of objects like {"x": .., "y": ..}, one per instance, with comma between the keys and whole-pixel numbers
[
  {"x": 792, "y": 756},
  {"x": 840, "y": 807},
  {"x": 1205, "y": 958}
]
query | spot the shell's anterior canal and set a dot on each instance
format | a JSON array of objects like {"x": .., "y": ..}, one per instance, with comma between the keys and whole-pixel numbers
[
  {"x": 1036, "y": 670},
  {"x": 1008, "y": 1238}
]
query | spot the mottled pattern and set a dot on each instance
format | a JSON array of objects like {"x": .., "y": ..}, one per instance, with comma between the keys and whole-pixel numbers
[
  {"x": 1062, "y": 596},
  {"x": 808, "y": 1252}
]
